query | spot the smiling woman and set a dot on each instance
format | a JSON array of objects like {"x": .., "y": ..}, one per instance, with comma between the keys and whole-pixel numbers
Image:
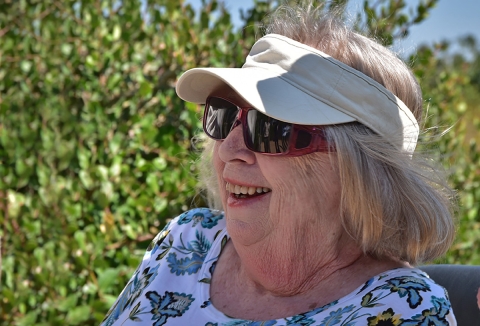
[{"x": 323, "y": 207}]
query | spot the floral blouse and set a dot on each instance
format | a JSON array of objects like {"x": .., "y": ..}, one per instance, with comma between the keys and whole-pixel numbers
[{"x": 171, "y": 287}]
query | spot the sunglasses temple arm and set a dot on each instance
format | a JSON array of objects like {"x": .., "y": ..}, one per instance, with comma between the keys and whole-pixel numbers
[{"x": 322, "y": 144}]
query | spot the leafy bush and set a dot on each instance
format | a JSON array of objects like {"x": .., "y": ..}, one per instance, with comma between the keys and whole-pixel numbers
[
  {"x": 453, "y": 101},
  {"x": 95, "y": 145}
]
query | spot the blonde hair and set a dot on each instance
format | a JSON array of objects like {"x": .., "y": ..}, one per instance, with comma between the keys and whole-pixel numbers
[{"x": 392, "y": 204}]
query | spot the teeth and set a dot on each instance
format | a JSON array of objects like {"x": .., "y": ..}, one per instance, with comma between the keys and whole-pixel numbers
[{"x": 244, "y": 190}]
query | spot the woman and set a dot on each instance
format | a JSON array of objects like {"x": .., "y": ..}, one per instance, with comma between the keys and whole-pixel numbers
[{"x": 324, "y": 208}]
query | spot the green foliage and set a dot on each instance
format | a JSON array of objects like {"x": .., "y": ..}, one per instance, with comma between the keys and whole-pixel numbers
[
  {"x": 388, "y": 21},
  {"x": 95, "y": 147},
  {"x": 451, "y": 89},
  {"x": 452, "y": 97}
]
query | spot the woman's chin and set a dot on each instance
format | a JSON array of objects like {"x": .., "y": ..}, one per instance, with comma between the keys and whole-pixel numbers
[
  {"x": 247, "y": 218},
  {"x": 245, "y": 233}
]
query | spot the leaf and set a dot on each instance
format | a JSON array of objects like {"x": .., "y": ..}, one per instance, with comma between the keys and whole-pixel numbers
[
  {"x": 160, "y": 163},
  {"x": 80, "y": 237},
  {"x": 136, "y": 311},
  {"x": 368, "y": 300},
  {"x": 107, "y": 277},
  {"x": 78, "y": 315},
  {"x": 15, "y": 202},
  {"x": 117, "y": 32},
  {"x": 162, "y": 254},
  {"x": 29, "y": 319},
  {"x": 145, "y": 88},
  {"x": 25, "y": 66},
  {"x": 216, "y": 234},
  {"x": 66, "y": 49},
  {"x": 68, "y": 303},
  {"x": 224, "y": 242},
  {"x": 85, "y": 179}
]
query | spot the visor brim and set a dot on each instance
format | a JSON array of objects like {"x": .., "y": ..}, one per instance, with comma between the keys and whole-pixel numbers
[{"x": 266, "y": 91}]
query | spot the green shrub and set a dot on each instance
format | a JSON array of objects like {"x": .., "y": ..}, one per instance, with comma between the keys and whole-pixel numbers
[{"x": 95, "y": 146}]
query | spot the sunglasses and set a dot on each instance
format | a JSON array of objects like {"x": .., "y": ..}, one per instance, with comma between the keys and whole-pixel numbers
[{"x": 261, "y": 133}]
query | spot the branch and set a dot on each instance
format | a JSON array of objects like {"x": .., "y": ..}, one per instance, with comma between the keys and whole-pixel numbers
[{"x": 141, "y": 238}]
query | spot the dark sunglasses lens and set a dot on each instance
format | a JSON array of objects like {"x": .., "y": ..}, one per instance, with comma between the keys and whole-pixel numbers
[
  {"x": 219, "y": 118},
  {"x": 267, "y": 135}
]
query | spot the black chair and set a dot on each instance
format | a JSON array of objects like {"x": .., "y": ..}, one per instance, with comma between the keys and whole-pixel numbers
[{"x": 462, "y": 283}]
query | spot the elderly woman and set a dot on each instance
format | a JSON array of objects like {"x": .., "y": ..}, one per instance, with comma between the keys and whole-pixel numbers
[{"x": 324, "y": 208}]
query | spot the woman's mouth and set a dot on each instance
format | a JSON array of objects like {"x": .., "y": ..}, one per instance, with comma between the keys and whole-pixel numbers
[{"x": 241, "y": 192}]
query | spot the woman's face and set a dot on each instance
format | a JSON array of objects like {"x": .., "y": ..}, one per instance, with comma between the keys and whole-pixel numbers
[{"x": 276, "y": 198}]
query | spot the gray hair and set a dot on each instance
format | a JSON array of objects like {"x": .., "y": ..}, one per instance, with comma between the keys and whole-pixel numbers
[{"x": 392, "y": 204}]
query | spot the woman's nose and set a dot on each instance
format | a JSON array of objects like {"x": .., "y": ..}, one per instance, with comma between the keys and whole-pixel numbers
[{"x": 233, "y": 147}]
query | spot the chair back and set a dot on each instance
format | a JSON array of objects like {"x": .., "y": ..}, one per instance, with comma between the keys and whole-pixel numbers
[{"x": 462, "y": 283}]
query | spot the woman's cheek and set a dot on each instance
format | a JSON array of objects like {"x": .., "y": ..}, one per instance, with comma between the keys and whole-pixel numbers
[{"x": 218, "y": 164}]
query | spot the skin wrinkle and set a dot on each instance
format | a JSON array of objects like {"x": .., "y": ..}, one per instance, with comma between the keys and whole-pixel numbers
[
  {"x": 286, "y": 251},
  {"x": 305, "y": 283},
  {"x": 289, "y": 199},
  {"x": 242, "y": 154},
  {"x": 288, "y": 265},
  {"x": 284, "y": 258}
]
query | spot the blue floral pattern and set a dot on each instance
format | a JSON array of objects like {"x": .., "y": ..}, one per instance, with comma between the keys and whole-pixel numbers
[
  {"x": 171, "y": 287},
  {"x": 407, "y": 286},
  {"x": 436, "y": 315},
  {"x": 208, "y": 218},
  {"x": 169, "y": 305}
]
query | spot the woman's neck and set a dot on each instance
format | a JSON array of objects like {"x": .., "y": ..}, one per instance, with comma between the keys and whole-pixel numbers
[
  {"x": 285, "y": 272},
  {"x": 259, "y": 284}
]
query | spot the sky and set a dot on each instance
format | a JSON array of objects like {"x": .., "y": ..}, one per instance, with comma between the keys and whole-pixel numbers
[{"x": 449, "y": 20}]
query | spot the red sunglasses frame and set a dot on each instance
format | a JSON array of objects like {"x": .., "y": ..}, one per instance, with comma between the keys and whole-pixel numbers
[{"x": 318, "y": 143}]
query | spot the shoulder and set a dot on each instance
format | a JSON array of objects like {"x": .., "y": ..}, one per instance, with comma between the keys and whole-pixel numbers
[
  {"x": 198, "y": 220},
  {"x": 406, "y": 295},
  {"x": 206, "y": 218},
  {"x": 402, "y": 296},
  {"x": 169, "y": 274},
  {"x": 191, "y": 224}
]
